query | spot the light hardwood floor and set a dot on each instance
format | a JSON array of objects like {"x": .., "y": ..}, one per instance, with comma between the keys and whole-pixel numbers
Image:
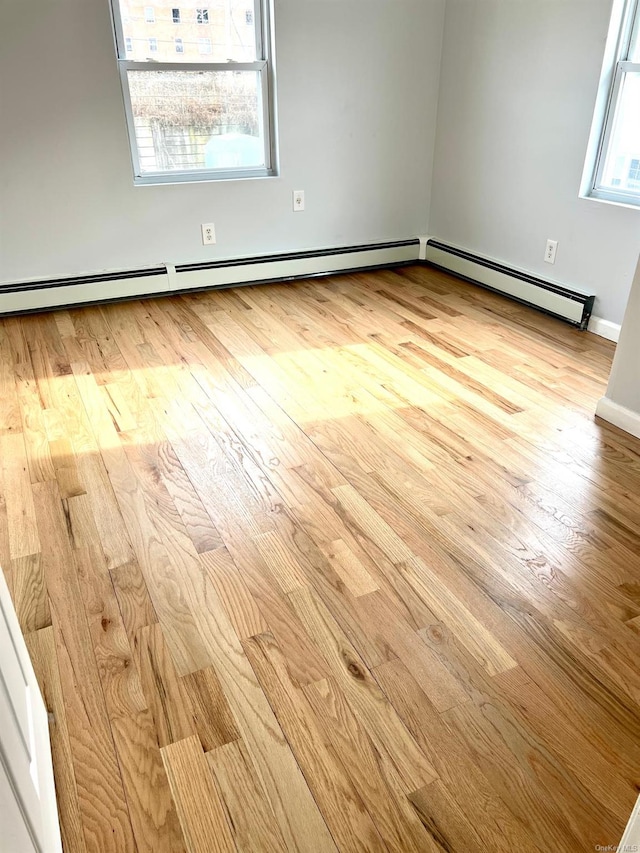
[{"x": 345, "y": 564}]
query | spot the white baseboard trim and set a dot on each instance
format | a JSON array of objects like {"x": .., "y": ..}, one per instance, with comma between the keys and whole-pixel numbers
[
  {"x": 631, "y": 838},
  {"x": 604, "y": 328},
  {"x": 619, "y": 416},
  {"x": 21, "y": 297}
]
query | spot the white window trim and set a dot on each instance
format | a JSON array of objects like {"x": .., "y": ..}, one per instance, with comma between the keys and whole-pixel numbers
[
  {"x": 152, "y": 19},
  {"x": 263, "y": 65},
  {"x": 615, "y": 65}
]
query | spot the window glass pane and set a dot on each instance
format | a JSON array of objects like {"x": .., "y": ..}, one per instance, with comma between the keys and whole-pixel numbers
[
  {"x": 623, "y": 156},
  {"x": 227, "y": 24},
  {"x": 187, "y": 120}
]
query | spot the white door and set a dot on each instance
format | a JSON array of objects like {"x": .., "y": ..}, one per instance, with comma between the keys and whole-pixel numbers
[{"x": 28, "y": 813}]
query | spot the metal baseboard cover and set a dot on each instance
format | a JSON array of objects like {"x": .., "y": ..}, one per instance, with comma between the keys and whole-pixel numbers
[
  {"x": 570, "y": 305},
  {"x": 28, "y": 296}
]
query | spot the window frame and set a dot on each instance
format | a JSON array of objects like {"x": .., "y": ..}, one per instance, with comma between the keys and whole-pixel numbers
[
  {"x": 176, "y": 19},
  {"x": 625, "y": 21},
  {"x": 263, "y": 65},
  {"x": 202, "y": 16},
  {"x": 152, "y": 19}
]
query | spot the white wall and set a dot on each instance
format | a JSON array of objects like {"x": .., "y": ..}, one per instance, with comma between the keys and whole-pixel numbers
[
  {"x": 624, "y": 383},
  {"x": 518, "y": 86},
  {"x": 357, "y": 87}
]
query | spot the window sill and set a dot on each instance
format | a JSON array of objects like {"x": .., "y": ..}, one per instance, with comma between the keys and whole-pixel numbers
[
  {"x": 616, "y": 202},
  {"x": 202, "y": 177}
]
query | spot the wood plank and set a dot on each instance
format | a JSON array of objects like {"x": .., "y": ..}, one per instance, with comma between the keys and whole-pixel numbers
[
  {"x": 202, "y": 815},
  {"x": 153, "y": 813},
  {"x": 30, "y": 597},
  {"x": 136, "y": 607},
  {"x": 350, "y": 568},
  {"x": 432, "y": 673},
  {"x": 113, "y": 654},
  {"x": 166, "y": 698},
  {"x": 213, "y": 719},
  {"x": 253, "y": 824},
  {"x": 373, "y": 776},
  {"x": 240, "y": 605},
  {"x": 280, "y": 561},
  {"x": 66, "y": 468},
  {"x": 497, "y": 827},
  {"x": 21, "y": 521},
  {"x": 363, "y": 693},
  {"x": 105, "y": 815},
  {"x": 139, "y": 509},
  {"x": 349, "y": 823},
  {"x": 290, "y": 799},
  {"x": 42, "y": 651},
  {"x": 31, "y": 406},
  {"x": 10, "y": 420}
]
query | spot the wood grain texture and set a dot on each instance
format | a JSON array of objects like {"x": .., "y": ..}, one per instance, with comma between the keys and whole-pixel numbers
[
  {"x": 106, "y": 820},
  {"x": 152, "y": 803},
  {"x": 210, "y": 711},
  {"x": 203, "y": 817},
  {"x": 344, "y": 564},
  {"x": 30, "y": 593},
  {"x": 349, "y": 822},
  {"x": 42, "y": 650},
  {"x": 253, "y": 823}
]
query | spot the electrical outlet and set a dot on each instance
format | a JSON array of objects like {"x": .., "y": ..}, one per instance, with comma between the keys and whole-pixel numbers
[
  {"x": 298, "y": 200},
  {"x": 208, "y": 233},
  {"x": 550, "y": 251}
]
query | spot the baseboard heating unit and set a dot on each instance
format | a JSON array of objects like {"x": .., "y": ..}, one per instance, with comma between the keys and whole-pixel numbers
[
  {"x": 26, "y": 296},
  {"x": 569, "y": 305}
]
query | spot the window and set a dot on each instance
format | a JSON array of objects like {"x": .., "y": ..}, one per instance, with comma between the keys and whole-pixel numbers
[
  {"x": 248, "y": 17},
  {"x": 612, "y": 170},
  {"x": 128, "y": 42},
  {"x": 199, "y": 115},
  {"x": 175, "y": 14},
  {"x": 202, "y": 16},
  {"x": 149, "y": 15}
]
